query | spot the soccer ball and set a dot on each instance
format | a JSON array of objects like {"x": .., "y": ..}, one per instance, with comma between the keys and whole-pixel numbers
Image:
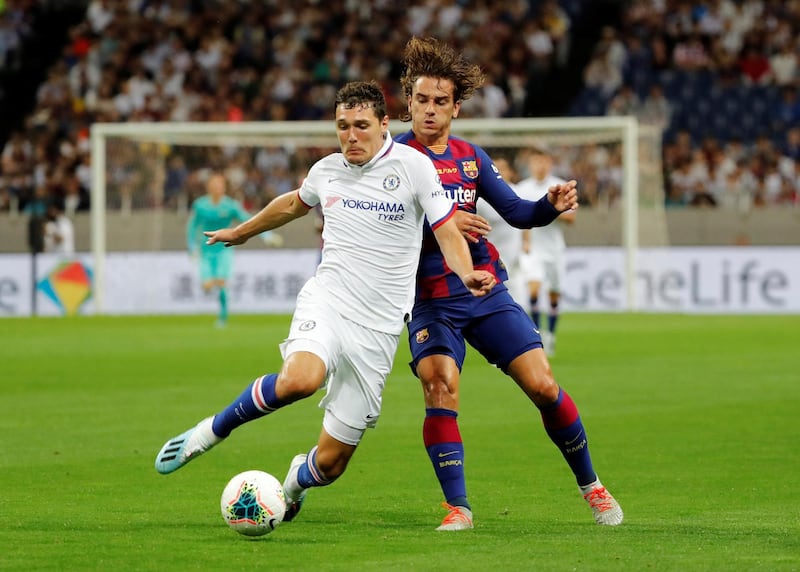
[{"x": 253, "y": 503}]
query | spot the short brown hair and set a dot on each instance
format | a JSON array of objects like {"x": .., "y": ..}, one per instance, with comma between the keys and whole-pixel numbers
[
  {"x": 432, "y": 58},
  {"x": 362, "y": 93}
]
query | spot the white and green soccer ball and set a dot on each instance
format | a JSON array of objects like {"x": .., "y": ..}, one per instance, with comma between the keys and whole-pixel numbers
[{"x": 253, "y": 503}]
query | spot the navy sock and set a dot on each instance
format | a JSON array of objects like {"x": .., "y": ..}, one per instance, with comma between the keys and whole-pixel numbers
[
  {"x": 535, "y": 316},
  {"x": 257, "y": 400},
  {"x": 564, "y": 426},
  {"x": 552, "y": 318},
  {"x": 446, "y": 451},
  {"x": 309, "y": 475}
]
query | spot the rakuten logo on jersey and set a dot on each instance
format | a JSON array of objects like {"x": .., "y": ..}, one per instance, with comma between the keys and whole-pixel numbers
[
  {"x": 385, "y": 211},
  {"x": 462, "y": 195}
]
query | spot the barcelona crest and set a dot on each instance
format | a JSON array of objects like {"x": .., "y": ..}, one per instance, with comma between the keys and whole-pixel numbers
[
  {"x": 422, "y": 336},
  {"x": 470, "y": 168}
]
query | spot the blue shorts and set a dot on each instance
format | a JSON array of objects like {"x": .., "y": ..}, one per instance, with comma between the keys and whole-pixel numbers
[
  {"x": 494, "y": 324},
  {"x": 216, "y": 265}
]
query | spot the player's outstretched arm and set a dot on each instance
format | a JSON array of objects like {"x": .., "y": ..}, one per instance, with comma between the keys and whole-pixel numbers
[
  {"x": 458, "y": 258},
  {"x": 278, "y": 212},
  {"x": 516, "y": 211}
]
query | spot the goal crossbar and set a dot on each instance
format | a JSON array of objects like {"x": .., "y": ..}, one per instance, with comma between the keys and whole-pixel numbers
[{"x": 320, "y": 134}]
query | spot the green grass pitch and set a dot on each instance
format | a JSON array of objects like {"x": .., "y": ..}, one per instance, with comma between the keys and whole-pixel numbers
[{"x": 693, "y": 423}]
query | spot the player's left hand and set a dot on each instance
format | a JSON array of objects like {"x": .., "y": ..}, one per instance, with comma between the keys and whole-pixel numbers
[
  {"x": 479, "y": 282},
  {"x": 472, "y": 226},
  {"x": 227, "y": 236},
  {"x": 564, "y": 197}
]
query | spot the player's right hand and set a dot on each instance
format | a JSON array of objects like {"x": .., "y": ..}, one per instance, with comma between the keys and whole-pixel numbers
[
  {"x": 227, "y": 236},
  {"x": 472, "y": 226},
  {"x": 564, "y": 196},
  {"x": 479, "y": 282}
]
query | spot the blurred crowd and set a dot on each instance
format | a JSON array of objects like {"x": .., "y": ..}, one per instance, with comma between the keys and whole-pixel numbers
[
  {"x": 721, "y": 78},
  {"x": 249, "y": 60},
  {"x": 186, "y": 60}
]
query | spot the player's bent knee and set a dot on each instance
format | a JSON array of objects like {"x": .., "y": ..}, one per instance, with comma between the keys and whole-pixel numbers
[
  {"x": 531, "y": 371},
  {"x": 543, "y": 393},
  {"x": 440, "y": 392},
  {"x": 291, "y": 387},
  {"x": 439, "y": 379},
  {"x": 439, "y": 376},
  {"x": 302, "y": 375}
]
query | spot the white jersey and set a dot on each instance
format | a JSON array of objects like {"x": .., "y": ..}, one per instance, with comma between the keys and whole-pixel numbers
[
  {"x": 372, "y": 236},
  {"x": 506, "y": 238},
  {"x": 508, "y": 242},
  {"x": 547, "y": 242},
  {"x": 59, "y": 236}
]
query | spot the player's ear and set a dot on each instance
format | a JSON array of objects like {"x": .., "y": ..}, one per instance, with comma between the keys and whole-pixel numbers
[
  {"x": 384, "y": 126},
  {"x": 456, "y": 109}
]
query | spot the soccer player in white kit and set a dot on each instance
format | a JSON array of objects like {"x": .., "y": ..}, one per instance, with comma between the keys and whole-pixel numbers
[
  {"x": 544, "y": 247},
  {"x": 374, "y": 197},
  {"x": 506, "y": 238}
]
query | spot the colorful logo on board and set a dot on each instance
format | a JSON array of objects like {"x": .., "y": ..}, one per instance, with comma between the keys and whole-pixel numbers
[{"x": 68, "y": 285}]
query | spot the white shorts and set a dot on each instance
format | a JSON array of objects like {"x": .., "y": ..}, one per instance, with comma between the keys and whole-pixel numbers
[
  {"x": 549, "y": 270},
  {"x": 357, "y": 359},
  {"x": 517, "y": 284}
]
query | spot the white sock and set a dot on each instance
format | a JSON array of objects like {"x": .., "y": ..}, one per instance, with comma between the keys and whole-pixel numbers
[
  {"x": 291, "y": 487},
  {"x": 206, "y": 434}
]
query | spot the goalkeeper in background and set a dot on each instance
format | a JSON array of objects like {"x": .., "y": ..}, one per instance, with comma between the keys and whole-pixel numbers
[{"x": 217, "y": 210}]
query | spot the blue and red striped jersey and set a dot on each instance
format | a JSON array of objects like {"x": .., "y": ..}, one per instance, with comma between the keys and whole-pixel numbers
[{"x": 467, "y": 174}]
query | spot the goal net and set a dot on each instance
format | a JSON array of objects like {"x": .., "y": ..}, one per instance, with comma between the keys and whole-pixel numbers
[{"x": 145, "y": 176}]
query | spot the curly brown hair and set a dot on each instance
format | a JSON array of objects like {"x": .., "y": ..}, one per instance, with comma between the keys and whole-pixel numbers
[{"x": 433, "y": 58}]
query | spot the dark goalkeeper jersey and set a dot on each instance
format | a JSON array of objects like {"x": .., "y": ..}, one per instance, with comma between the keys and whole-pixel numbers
[{"x": 467, "y": 174}]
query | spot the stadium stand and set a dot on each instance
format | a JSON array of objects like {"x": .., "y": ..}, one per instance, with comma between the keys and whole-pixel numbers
[
  {"x": 720, "y": 76},
  {"x": 729, "y": 72}
]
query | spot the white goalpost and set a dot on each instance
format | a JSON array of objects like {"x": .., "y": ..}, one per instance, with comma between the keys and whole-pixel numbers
[{"x": 131, "y": 168}]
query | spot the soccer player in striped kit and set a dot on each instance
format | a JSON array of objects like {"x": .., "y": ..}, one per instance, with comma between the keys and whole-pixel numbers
[
  {"x": 436, "y": 79},
  {"x": 374, "y": 196}
]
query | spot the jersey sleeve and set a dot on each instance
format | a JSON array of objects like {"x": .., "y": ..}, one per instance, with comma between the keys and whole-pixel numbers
[
  {"x": 309, "y": 189},
  {"x": 436, "y": 203},
  {"x": 241, "y": 212},
  {"x": 515, "y": 211}
]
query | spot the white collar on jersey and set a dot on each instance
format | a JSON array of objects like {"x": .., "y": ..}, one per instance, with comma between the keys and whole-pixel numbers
[{"x": 387, "y": 143}]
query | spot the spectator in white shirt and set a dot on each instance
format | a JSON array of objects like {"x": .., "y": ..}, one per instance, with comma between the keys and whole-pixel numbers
[{"x": 59, "y": 235}]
